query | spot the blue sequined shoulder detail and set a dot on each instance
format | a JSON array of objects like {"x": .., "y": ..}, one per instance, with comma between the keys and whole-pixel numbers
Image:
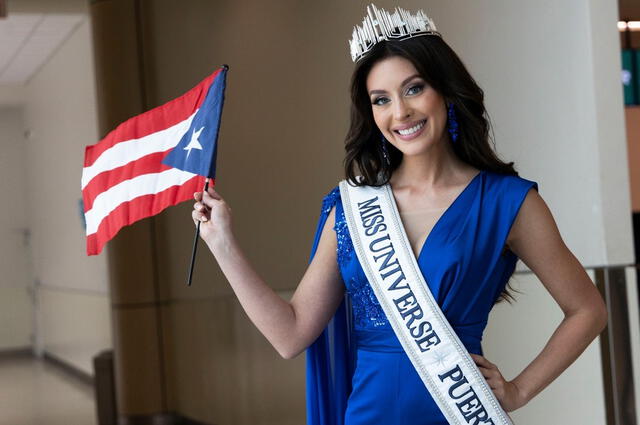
[
  {"x": 330, "y": 200},
  {"x": 367, "y": 312},
  {"x": 345, "y": 246}
]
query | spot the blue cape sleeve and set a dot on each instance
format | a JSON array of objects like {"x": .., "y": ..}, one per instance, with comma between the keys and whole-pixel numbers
[{"x": 330, "y": 358}]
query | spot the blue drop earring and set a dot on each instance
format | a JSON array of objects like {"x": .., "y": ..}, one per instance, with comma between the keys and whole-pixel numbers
[
  {"x": 452, "y": 123},
  {"x": 385, "y": 152}
]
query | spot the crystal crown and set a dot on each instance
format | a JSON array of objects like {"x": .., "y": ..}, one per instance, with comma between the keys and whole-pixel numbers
[{"x": 381, "y": 25}]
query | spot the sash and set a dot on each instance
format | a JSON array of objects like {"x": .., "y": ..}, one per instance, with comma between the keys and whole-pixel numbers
[{"x": 442, "y": 362}]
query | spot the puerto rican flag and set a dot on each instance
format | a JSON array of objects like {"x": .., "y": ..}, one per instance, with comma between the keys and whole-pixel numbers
[{"x": 152, "y": 161}]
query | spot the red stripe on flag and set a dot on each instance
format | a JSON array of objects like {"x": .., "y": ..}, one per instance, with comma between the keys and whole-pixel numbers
[
  {"x": 103, "y": 181},
  {"x": 139, "y": 208},
  {"x": 154, "y": 120}
]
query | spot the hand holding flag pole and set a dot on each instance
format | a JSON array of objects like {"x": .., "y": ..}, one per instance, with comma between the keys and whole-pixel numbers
[
  {"x": 138, "y": 169},
  {"x": 195, "y": 241}
]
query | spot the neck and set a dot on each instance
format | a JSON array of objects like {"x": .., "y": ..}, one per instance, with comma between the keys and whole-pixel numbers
[{"x": 431, "y": 168}]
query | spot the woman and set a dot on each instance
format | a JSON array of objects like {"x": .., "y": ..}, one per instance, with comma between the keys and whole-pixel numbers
[{"x": 418, "y": 125}]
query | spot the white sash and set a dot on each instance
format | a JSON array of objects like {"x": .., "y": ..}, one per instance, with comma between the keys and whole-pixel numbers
[{"x": 444, "y": 365}]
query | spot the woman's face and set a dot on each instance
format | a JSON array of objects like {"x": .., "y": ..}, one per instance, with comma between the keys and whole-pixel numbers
[{"x": 408, "y": 111}]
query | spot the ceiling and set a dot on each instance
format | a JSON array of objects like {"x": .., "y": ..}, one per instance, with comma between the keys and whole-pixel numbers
[{"x": 27, "y": 41}]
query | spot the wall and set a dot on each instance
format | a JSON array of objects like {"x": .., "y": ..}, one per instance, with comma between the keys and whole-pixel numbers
[
  {"x": 551, "y": 89},
  {"x": 12, "y": 96},
  {"x": 72, "y": 297},
  {"x": 553, "y": 92},
  {"x": 16, "y": 308},
  {"x": 279, "y": 154},
  {"x": 550, "y": 74},
  {"x": 517, "y": 333},
  {"x": 550, "y": 71}
]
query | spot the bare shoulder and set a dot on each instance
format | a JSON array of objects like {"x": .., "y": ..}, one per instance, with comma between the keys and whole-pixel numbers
[
  {"x": 536, "y": 240},
  {"x": 533, "y": 216},
  {"x": 534, "y": 226}
]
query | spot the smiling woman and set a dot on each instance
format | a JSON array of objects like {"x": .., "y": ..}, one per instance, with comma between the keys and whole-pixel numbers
[{"x": 392, "y": 311}]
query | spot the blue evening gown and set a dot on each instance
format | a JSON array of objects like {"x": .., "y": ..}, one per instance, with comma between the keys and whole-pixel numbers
[{"x": 357, "y": 372}]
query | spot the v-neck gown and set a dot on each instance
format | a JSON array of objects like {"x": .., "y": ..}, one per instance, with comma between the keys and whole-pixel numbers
[{"x": 466, "y": 269}]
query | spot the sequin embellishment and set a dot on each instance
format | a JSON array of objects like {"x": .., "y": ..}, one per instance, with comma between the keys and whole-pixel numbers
[
  {"x": 345, "y": 246},
  {"x": 367, "y": 311},
  {"x": 330, "y": 200}
]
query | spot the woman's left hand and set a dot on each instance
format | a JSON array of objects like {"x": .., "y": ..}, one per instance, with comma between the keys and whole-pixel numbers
[{"x": 507, "y": 392}]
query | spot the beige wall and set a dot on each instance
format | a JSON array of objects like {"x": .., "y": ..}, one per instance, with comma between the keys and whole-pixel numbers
[
  {"x": 75, "y": 324},
  {"x": 59, "y": 104},
  {"x": 16, "y": 308},
  {"x": 553, "y": 96},
  {"x": 557, "y": 113},
  {"x": 279, "y": 154},
  {"x": 555, "y": 100},
  {"x": 517, "y": 333},
  {"x": 551, "y": 74},
  {"x": 11, "y": 96},
  {"x": 550, "y": 71}
]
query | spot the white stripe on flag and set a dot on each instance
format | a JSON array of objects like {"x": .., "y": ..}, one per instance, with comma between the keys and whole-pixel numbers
[
  {"x": 146, "y": 184},
  {"x": 131, "y": 150}
]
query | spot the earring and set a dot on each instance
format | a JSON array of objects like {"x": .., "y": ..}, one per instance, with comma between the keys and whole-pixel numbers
[
  {"x": 385, "y": 152},
  {"x": 452, "y": 123}
]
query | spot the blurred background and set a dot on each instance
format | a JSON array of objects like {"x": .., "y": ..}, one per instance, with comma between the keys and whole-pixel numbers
[{"x": 119, "y": 339}]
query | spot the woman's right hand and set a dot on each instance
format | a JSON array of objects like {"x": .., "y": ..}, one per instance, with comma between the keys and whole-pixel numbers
[{"x": 214, "y": 216}]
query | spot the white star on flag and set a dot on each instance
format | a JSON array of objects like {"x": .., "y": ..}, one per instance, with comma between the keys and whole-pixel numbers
[{"x": 194, "y": 143}]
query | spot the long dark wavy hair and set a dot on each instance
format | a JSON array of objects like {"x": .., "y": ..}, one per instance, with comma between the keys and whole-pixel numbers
[{"x": 441, "y": 67}]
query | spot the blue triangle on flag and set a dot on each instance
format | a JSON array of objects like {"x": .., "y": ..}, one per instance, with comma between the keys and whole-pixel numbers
[{"x": 196, "y": 152}]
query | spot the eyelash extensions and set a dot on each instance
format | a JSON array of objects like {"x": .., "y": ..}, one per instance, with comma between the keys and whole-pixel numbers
[{"x": 420, "y": 86}]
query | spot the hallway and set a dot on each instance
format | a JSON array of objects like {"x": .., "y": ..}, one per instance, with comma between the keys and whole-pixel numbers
[{"x": 35, "y": 392}]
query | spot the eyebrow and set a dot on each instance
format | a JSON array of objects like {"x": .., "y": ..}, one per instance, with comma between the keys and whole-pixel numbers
[{"x": 403, "y": 83}]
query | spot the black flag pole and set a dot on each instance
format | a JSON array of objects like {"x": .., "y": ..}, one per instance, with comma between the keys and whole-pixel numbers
[{"x": 195, "y": 240}]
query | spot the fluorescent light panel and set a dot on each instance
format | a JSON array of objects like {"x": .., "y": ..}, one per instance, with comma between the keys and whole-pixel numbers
[{"x": 630, "y": 25}]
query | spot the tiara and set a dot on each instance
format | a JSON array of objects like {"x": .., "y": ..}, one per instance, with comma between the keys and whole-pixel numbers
[{"x": 381, "y": 25}]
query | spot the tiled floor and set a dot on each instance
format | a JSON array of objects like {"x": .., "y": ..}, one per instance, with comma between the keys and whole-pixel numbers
[{"x": 33, "y": 392}]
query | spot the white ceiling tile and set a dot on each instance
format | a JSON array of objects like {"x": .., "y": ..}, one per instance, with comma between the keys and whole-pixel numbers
[
  {"x": 28, "y": 41},
  {"x": 58, "y": 23}
]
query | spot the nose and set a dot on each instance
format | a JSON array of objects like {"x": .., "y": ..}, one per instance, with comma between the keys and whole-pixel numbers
[{"x": 401, "y": 110}]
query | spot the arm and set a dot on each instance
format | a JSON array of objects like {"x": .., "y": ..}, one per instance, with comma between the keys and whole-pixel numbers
[
  {"x": 535, "y": 239},
  {"x": 290, "y": 326}
]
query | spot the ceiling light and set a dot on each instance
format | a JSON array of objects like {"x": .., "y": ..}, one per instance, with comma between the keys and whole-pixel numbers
[{"x": 628, "y": 25}]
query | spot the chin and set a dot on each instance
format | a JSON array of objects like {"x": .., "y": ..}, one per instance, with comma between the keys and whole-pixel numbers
[{"x": 414, "y": 147}]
